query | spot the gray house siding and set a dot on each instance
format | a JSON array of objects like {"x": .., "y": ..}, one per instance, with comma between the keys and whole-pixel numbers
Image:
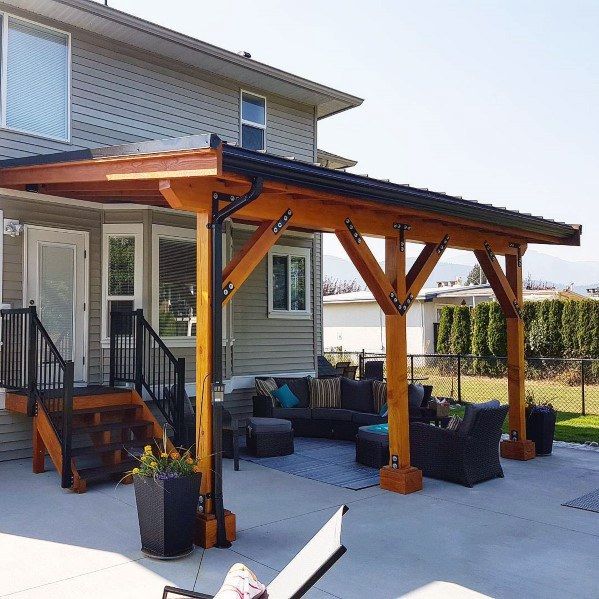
[{"x": 119, "y": 95}]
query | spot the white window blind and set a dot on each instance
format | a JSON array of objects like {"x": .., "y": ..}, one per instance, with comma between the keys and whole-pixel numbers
[{"x": 37, "y": 79}]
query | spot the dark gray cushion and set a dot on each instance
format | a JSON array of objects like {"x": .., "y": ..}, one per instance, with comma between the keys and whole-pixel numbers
[
  {"x": 291, "y": 413},
  {"x": 375, "y": 436},
  {"x": 472, "y": 410},
  {"x": 415, "y": 397},
  {"x": 364, "y": 419},
  {"x": 268, "y": 425},
  {"x": 299, "y": 388},
  {"x": 357, "y": 395},
  {"x": 338, "y": 414}
]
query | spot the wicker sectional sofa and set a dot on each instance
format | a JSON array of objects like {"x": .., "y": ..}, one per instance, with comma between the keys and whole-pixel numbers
[{"x": 357, "y": 408}]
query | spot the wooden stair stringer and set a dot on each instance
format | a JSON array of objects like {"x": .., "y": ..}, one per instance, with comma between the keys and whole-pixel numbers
[{"x": 157, "y": 431}]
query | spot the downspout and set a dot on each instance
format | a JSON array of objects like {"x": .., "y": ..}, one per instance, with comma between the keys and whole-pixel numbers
[{"x": 218, "y": 387}]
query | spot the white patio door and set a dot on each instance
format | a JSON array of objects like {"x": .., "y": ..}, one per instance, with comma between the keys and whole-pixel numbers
[{"x": 55, "y": 284}]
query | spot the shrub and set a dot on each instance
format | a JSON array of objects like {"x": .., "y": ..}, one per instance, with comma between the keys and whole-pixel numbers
[
  {"x": 497, "y": 335},
  {"x": 569, "y": 328},
  {"x": 444, "y": 335},
  {"x": 460, "y": 331}
]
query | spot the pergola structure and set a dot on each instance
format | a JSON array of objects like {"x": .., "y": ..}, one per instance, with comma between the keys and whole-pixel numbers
[{"x": 218, "y": 181}]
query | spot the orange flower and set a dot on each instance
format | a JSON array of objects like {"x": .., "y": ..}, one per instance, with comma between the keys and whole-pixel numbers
[
  {"x": 189, "y": 461},
  {"x": 196, "y": 468},
  {"x": 175, "y": 455}
]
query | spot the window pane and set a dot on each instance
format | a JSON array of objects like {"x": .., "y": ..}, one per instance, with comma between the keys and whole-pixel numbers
[
  {"x": 253, "y": 109},
  {"x": 37, "y": 76},
  {"x": 279, "y": 283},
  {"x": 298, "y": 283},
  {"x": 252, "y": 138},
  {"x": 121, "y": 265},
  {"x": 177, "y": 287}
]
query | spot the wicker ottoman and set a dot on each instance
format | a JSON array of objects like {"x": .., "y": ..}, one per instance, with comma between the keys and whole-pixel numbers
[
  {"x": 269, "y": 437},
  {"x": 372, "y": 445}
]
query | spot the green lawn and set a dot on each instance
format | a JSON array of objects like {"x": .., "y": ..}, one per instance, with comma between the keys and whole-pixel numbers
[{"x": 569, "y": 427}]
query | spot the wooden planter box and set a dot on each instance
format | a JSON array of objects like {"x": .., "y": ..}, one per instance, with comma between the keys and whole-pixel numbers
[{"x": 166, "y": 510}]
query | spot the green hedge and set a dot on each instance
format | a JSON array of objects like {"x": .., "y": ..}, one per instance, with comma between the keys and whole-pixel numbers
[{"x": 552, "y": 329}]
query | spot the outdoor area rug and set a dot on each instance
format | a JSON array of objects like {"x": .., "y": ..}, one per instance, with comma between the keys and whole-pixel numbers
[
  {"x": 588, "y": 502},
  {"x": 325, "y": 460}
]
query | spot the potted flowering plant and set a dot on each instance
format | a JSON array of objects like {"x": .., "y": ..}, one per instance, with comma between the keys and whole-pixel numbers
[
  {"x": 167, "y": 488},
  {"x": 540, "y": 424}
]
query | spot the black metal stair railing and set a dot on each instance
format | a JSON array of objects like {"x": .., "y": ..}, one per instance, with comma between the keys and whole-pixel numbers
[
  {"x": 30, "y": 363},
  {"x": 138, "y": 355}
]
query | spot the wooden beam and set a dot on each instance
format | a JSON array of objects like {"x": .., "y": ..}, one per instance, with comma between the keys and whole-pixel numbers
[
  {"x": 315, "y": 214},
  {"x": 399, "y": 475},
  {"x": 498, "y": 281},
  {"x": 423, "y": 267},
  {"x": 366, "y": 264},
  {"x": 204, "y": 355},
  {"x": 252, "y": 253},
  {"x": 182, "y": 164}
]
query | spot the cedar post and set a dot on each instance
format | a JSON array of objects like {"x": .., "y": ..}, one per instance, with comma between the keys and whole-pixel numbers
[
  {"x": 518, "y": 447},
  {"x": 399, "y": 475}
]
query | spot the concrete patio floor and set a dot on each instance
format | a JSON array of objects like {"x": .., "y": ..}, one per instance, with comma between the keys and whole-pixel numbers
[{"x": 505, "y": 538}]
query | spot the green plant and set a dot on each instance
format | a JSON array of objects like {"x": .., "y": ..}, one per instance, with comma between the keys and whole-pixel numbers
[
  {"x": 444, "y": 335},
  {"x": 460, "y": 331},
  {"x": 569, "y": 328},
  {"x": 497, "y": 335}
]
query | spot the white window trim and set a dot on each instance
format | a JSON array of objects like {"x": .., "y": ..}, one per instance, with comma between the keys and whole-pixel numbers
[
  {"x": 289, "y": 251},
  {"x": 243, "y": 121},
  {"x": 1, "y": 256},
  {"x": 178, "y": 233},
  {"x": 3, "y": 81},
  {"x": 135, "y": 230}
]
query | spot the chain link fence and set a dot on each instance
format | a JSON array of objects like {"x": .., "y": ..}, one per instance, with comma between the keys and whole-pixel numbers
[{"x": 570, "y": 385}]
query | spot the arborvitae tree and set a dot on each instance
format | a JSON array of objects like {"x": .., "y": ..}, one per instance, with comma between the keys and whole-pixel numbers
[
  {"x": 594, "y": 318},
  {"x": 529, "y": 313},
  {"x": 570, "y": 328},
  {"x": 444, "y": 335},
  {"x": 586, "y": 329},
  {"x": 555, "y": 344},
  {"x": 497, "y": 335},
  {"x": 460, "y": 331},
  {"x": 480, "y": 327}
]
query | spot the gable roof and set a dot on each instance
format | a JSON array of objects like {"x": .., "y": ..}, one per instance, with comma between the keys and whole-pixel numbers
[{"x": 155, "y": 39}]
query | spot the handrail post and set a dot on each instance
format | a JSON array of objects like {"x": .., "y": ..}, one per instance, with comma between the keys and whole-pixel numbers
[
  {"x": 582, "y": 387},
  {"x": 67, "y": 421},
  {"x": 112, "y": 356},
  {"x": 139, "y": 333},
  {"x": 412, "y": 367},
  {"x": 31, "y": 361},
  {"x": 459, "y": 378},
  {"x": 181, "y": 429},
  {"x": 361, "y": 364}
]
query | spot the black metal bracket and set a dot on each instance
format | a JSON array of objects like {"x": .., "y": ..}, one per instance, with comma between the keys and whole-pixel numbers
[
  {"x": 357, "y": 237},
  {"x": 443, "y": 245},
  {"x": 490, "y": 252},
  {"x": 517, "y": 247},
  {"x": 402, "y": 228},
  {"x": 403, "y": 308},
  {"x": 282, "y": 221},
  {"x": 517, "y": 308},
  {"x": 227, "y": 289},
  {"x": 236, "y": 202}
]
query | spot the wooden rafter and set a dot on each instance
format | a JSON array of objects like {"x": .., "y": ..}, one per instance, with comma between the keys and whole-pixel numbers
[
  {"x": 365, "y": 262},
  {"x": 423, "y": 267},
  {"x": 254, "y": 250},
  {"x": 498, "y": 281}
]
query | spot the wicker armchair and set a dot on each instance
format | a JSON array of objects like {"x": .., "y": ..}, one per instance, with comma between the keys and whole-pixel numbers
[{"x": 467, "y": 455}]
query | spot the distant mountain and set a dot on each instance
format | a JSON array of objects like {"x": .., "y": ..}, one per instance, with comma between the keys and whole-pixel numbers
[{"x": 541, "y": 267}]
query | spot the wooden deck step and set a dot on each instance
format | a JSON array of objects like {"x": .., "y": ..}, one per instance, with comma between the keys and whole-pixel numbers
[
  {"x": 130, "y": 446},
  {"x": 80, "y": 429},
  {"x": 106, "y": 471},
  {"x": 104, "y": 409}
]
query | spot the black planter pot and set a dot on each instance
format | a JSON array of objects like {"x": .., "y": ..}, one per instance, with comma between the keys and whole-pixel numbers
[
  {"x": 166, "y": 510},
  {"x": 540, "y": 428}
]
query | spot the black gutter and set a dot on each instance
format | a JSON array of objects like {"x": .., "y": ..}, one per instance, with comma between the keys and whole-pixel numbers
[{"x": 284, "y": 170}]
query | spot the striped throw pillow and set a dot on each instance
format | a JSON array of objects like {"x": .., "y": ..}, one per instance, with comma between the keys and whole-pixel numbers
[
  {"x": 265, "y": 387},
  {"x": 379, "y": 392},
  {"x": 325, "y": 393},
  {"x": 454, "y": 423}
]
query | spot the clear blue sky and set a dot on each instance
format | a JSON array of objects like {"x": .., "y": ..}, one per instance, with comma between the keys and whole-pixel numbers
[{"x": 497, "y": 101}]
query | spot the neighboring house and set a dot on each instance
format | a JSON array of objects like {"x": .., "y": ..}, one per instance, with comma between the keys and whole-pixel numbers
[
  {"x": 78, "y": 74},
  {"x": 354, "y": 321}
]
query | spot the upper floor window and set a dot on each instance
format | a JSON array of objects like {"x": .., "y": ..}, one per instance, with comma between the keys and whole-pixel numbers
[
  {"x": 35, "y": 67},
  {"x": 289, "y": 282},
  {"x": 253, "y": 121}
]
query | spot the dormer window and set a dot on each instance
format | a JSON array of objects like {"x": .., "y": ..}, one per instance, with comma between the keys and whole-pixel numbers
[{"x": 253, "y": 121}]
